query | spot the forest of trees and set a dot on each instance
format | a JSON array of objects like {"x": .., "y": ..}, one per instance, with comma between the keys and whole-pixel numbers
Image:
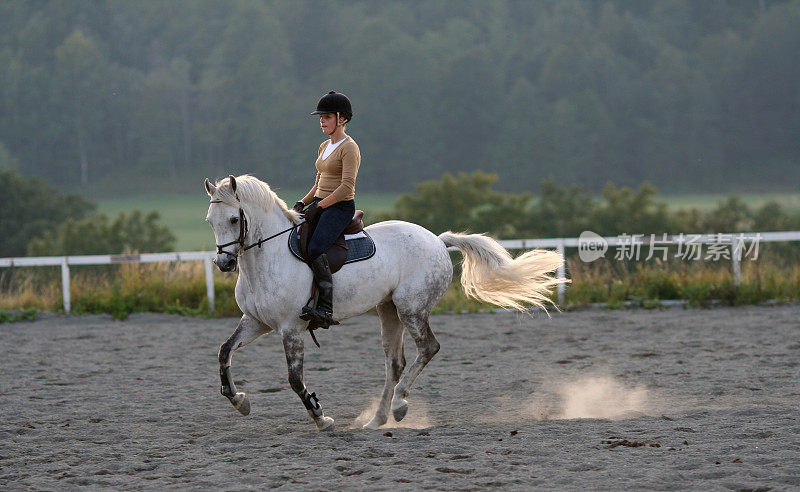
[{"x": 688, "y": 95}]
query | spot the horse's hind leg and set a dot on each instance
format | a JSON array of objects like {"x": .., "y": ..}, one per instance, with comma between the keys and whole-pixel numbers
[
  {"x": 294, "y": 349},
  {"x": 427, "y": 346},
  {"x": 392, "y": 341},
  {"x": 247, "y": 331}
]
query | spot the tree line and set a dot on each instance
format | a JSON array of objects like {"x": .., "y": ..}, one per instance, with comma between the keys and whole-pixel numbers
[
  {"x": 470, "y": 202},
  {"x": 687, "y": 95}
]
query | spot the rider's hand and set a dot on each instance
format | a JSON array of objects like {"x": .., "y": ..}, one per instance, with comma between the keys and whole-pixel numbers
[
  {"x": 298, "y": 207},
  {"x": 312, "y": 212}
]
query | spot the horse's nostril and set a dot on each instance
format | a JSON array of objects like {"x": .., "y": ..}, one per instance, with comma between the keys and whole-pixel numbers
[{"x": 225, "y": 265}]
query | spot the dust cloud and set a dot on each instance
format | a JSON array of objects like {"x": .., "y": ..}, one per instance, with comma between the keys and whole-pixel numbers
[
  {"x": 584, "y": 397},
  {"x": 600, "y": 398}
]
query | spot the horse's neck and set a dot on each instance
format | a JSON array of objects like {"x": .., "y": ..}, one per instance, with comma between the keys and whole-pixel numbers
[{"x": 267, "y": 260}]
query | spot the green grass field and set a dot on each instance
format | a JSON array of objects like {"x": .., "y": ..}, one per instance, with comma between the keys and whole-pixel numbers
[{"x": 185, "y": 214}]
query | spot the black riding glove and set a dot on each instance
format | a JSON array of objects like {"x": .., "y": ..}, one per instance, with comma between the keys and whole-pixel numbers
[
  {"x": 312, "y": 212},
  {"x": 298, "y": 207}
]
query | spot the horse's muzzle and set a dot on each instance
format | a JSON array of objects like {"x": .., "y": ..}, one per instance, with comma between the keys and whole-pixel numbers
[{"x": 225, "y": 262}]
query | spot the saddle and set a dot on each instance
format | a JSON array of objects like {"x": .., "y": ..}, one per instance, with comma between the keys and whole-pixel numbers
[{"x": 354, "y": 244}]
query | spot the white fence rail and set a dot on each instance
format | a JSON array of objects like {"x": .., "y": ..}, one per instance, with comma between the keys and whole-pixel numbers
[
  {"x": 737, "y": 242},
  {"x": 65, "y": 261}
]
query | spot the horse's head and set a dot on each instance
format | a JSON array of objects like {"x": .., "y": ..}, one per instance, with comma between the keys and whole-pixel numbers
[
  {"x": 227, "y": 220},
  {"x": 234, "y": 201}
]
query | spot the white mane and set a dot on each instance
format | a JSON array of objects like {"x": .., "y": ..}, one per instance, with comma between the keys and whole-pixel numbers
[{"x": 254, "y": 192}]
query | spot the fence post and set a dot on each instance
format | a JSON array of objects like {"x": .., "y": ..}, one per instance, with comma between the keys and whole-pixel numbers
[
  {"x": 65, "y": 284},
  {"x": 736, "y": 261},
  {"x": 561, "y": 272},
  {"x": 209, "y": 282}
]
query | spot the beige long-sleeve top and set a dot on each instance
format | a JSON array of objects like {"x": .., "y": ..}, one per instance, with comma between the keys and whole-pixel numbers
[{"x": 336, "y": 175}]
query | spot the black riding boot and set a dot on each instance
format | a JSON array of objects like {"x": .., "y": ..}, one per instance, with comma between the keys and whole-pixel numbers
[{"x": 322, "y": 314}]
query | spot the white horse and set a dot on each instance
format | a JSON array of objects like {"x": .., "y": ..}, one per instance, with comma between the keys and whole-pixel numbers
[{"x": 406, "y": 277}]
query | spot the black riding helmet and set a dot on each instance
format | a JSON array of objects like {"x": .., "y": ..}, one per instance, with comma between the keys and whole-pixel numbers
[{"x": 335, "y": 102}]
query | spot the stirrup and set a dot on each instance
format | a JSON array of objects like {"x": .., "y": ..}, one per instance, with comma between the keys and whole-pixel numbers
[{"x": 323, "y": 320}]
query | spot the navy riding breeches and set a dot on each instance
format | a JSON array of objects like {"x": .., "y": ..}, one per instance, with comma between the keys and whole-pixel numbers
[{"x": 330, "y": 225}]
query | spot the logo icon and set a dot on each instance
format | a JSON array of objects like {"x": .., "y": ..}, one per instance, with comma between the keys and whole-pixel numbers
[{"x": 591, "y": 246}]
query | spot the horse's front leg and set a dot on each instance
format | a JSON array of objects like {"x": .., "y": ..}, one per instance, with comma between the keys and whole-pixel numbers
[
  {"x": 294, "y": 349},
  {"x": 247, "y": 331}
]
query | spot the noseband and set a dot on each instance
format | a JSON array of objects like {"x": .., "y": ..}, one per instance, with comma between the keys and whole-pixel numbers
[{"x": 243, "y": 229}]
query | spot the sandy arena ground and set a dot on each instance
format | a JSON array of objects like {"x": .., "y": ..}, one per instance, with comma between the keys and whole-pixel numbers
[{"x": 674, "y": 399}]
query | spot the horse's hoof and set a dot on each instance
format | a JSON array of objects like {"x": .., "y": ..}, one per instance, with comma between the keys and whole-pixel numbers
[
  {"x": 375, "y": 423},
  {"x": 400, "y": 412},
  {"x": 242, "y": 403},
  {"x": 324, "y": 424}
]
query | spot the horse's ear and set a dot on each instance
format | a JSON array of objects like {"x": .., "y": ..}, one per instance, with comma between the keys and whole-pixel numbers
[
  {"x": 210, "y": 189},
  {"x": 233, "y": 183}
]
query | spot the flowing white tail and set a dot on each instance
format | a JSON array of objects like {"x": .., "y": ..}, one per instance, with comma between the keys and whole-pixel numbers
[{"x": 489, "y": 273}]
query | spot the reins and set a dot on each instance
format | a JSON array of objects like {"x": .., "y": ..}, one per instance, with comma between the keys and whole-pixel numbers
[
  {"x": 262, "y": 241},
  {"x": 243, "y": 229}
]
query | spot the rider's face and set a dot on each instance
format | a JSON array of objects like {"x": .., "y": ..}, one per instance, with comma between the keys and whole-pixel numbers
[{"x": 327, "y": 122}]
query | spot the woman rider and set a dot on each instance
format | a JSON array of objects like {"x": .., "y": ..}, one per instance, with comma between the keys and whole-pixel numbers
[{"x": 331, "y": 200}]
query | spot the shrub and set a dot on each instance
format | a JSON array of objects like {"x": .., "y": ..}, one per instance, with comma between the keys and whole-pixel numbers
[
  {"x": 461, "y": 202},
  {"x": 30, "y": 208},
  {"x": 95, "y": 235}
]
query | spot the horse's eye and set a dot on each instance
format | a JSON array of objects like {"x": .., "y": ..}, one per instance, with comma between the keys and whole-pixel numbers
[{"x": 234, "y": 220}]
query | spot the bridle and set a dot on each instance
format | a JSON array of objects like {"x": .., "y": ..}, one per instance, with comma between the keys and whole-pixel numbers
[{"x": 243, "y": 229}]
